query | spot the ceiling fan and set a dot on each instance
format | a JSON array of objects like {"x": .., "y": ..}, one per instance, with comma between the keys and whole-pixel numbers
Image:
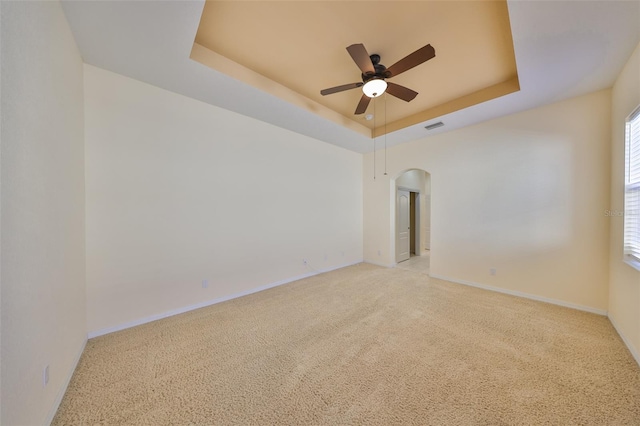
[{"x": 374, "y": 75}]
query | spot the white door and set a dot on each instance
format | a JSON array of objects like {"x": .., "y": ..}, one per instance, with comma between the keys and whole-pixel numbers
[{"x": 402, "y": 229}]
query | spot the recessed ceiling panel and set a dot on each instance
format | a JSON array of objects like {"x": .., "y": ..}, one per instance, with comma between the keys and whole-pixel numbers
[{"x": 294, "y": 49}]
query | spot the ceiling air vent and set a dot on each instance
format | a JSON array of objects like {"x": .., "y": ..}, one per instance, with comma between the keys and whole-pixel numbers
[{"x": 434, "y": 125}]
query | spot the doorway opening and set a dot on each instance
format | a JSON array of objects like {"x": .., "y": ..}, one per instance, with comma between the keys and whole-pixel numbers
[
  {"x": 412, "y": 201},
  {"x": 414, "y": 223}
]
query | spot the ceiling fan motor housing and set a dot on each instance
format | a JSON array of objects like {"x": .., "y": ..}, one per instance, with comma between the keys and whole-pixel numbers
[
  {"x": 374, "y": 75},
  {"x": 378, "y": 67}
]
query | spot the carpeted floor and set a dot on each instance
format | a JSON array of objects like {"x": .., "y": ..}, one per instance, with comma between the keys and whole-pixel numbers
[{"x": 361, "y": 345}]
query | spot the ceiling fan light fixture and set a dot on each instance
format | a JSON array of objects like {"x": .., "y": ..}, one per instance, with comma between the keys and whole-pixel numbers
[{"x": 374, "y": 88}]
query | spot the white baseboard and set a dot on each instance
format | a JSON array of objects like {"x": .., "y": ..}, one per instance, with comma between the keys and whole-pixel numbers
[
  {"x": 626, "y": 341},
  {"x": 603, "y": 312},
  {"x": 63, "y": 389},
  {"x": 184, "y": 309},
  {"x": 525, "y": 295},
  {"x": 379, "y": 264}
]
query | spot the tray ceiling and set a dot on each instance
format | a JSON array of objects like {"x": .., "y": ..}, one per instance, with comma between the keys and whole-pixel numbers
[{"x": 293, "y": 49}]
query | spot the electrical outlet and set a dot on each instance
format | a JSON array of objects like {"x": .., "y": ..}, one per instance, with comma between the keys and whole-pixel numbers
[
  {"x": 205, "y": 283},
  {"x": 378, "y": 252},
  {"x": 304, "y": 262},
  {"x": 493, "y": 271},
  {"x": 342, "y": 253},
  {"x": 325, "y": 257},
  {"x": 45, "y": 376}
]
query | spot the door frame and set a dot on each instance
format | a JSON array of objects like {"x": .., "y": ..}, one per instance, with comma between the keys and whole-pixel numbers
[{"x": 415, "y": 232}]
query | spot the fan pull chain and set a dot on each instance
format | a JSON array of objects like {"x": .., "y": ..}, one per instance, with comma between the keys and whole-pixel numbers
[
  {"x": 385, "y": 133},
  {"x": 374, "y": 138}
]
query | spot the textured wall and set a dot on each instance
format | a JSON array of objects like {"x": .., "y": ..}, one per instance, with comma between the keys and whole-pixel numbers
[
  {"x": 43, "y": 282},
  {"x": 624, "y": 287},
  {"x": 524, "y": 194},
  {"x": 179, "y": 192}
]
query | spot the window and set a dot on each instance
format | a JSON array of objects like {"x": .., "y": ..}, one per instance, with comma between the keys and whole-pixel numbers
[{"x": 632, "y": 190}]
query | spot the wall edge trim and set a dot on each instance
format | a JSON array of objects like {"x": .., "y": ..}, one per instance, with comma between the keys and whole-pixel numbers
[
  {"x": 524, "y": 295},
  {"x": 379, "y": 264},
  {"x": 63, "y": 390},
  {"x": 627, "y": 342},
  {"x": 172, "y": 312}
]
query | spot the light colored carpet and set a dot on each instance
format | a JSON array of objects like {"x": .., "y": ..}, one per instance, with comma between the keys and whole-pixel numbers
[{"x": 361, "y": 345}]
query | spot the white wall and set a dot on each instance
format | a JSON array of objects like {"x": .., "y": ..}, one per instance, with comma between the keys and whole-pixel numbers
[
  {"x": 624, "y": 286},
  {"x": 425, "y": 209},
  {"x": 179, "y": 192},
  {"x": 524, "y": 194},
  {"x": 413, "y": 180},
  {"x": 43, "y": 283}
]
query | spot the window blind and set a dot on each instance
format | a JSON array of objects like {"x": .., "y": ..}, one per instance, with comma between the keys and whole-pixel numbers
[{"x": 632, "y": 188}]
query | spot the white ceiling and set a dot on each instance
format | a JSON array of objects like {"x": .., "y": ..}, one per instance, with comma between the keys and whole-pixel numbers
[{"x": 563, "y": 49}]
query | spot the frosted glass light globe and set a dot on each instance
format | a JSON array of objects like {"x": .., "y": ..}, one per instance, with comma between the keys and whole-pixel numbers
[{"x": 374, "y": 88}]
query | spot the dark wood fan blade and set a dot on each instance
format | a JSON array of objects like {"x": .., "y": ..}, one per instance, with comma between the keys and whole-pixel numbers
[
  {"x": 401, "y": 92},
  {"x": 361, "y": 57},
  {"x": 340, "y": 88},
  {"x": 363, "y": 104},
  {"x": 416, "y": 58}
]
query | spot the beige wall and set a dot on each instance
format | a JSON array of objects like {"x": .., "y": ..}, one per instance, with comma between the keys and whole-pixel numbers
[
  {"x": 167, "y": 205},
  {"x": 179, "y": 192},
  {"x": 524, "y": 194},
  {"x": 624, "y": 286},
  {"x": 43, "y": 283}
]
